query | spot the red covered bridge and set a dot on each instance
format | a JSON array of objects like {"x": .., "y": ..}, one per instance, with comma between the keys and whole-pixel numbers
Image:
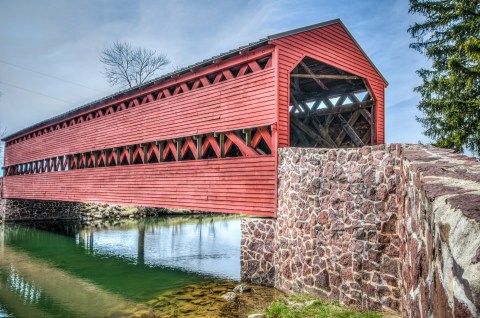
[{"x": 206, "y": 137}]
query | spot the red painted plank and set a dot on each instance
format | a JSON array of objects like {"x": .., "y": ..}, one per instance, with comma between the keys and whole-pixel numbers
[
  {"x": 332, "y": 45},
  {"x": 235, "y": 185},
  {"x": 224, "y": 106}
]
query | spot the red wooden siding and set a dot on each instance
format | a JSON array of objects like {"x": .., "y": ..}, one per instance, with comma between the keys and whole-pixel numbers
[
  {"x": 247, "y": 101},
  {"x": 181, "y": 107},
  {"x": 330, "y": 44},
  {"x": 233, "y": 185}
]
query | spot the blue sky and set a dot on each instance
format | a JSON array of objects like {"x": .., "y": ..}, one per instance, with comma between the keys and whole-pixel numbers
[{"x": 63, "y": 39}]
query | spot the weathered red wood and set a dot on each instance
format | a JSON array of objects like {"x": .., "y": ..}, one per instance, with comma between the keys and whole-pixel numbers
[
  {"x": 332, "y": 45},
  {"x": 153, "y": 151},
  {"x": 210, "y": 141},
  {"x": 138, "y": 154},
  {"x": 151, "y": 124},
  {"x": 235, "y": 185},
  {"x": 189, "y": 144},
  {"x": 170, "y": 149},
  {"x": 246, "y": 151},
  {"x": 220, "y": 107}
]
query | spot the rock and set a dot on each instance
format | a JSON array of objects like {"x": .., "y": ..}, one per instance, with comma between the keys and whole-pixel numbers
[
  {"x": 257, "y": 316},
  {"x": 230, "y": 296},
  {"x": 240, "y": 289}
]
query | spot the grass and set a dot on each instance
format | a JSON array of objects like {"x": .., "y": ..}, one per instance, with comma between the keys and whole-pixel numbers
[{"x": 302, "y": 306}]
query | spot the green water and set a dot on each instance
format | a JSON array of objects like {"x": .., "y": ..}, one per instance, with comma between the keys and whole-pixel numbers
[{"x": 70, "y": 270}]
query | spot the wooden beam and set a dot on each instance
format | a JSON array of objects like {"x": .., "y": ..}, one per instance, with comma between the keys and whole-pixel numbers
[
  {"x": 95, "y": 158},
  {"x": 106, "y": 152},
  {"x": 300, "y": 136},
  {"x": 310, "y": 132},
  {"x": 338, "y": 109},
  {"x": 347, "y": 129},
  {"x": 118, "y": 153},
  {"x": 303, "y": 106},
  {"x": 329, "y": 121},
  {"x": 222, "y": 145},
  {"x": 160, "y": 145},
  {"x": 77, "y": 161},
  {"x": 310, "y": 72},
  {"x": 246, "y": 151},
  {"x": 366, "y": 115},
  {"x": 130, "y": 154},
  {"x": 367, "y": 137},
  {"x": 323, "y": 132},
  {"x": 179, "y": 148},
  {"x": 198, "y": 139},
  {"x": 325, "y": 76},
  {"x": 333, "y": 92},
  {"x": 248, "y": 137},
  {"x": 145, "y": 152}
]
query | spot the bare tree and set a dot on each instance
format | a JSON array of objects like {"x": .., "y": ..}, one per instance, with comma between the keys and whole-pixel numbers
[{"x": 129, "y": 66}]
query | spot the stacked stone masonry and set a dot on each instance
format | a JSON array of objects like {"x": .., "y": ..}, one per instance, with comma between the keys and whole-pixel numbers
[
  {"x": 382, "y": 227},
  {"x": 28, "y": 210}
]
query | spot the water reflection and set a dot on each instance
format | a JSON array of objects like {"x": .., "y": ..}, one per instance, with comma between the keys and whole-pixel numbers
[
  {"x": 192, "y": 244},
  {"x": 69, "y": 270},
  {"x": 26, "y": 290}
]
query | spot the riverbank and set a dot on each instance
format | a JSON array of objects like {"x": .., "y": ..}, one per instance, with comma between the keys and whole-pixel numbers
[{"x": 302, "y": 306}]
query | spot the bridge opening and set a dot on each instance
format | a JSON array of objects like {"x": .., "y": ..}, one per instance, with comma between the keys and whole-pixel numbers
[{"x": 329, "y": 107}]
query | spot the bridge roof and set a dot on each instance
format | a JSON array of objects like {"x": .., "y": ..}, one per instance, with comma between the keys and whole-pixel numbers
[{"x": 206, "y": 62}]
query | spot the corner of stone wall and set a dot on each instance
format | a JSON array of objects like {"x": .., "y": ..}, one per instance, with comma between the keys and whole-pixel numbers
[
  {"x": 256, "y": 254},
  {"x": 440, "y": 230},
  {"x": 337, "y": 225}
]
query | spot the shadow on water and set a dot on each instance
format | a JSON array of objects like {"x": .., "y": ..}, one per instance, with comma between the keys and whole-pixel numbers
[{"x": 71, "y": 270}]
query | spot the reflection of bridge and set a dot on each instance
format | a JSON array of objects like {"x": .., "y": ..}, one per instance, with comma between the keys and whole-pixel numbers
[
  {"x": 26, "y": 283},
  {"x": 206, "y": 137},
  {"x": 94, "y": 262},
  {"x": 192, "y": 245}
]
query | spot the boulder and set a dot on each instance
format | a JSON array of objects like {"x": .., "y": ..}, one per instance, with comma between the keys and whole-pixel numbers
[
  {"x": 230, "y": 296},
  {"x": 240, "y": 289}
]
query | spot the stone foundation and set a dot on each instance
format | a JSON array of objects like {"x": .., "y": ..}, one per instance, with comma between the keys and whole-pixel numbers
[
  {"x": 28, "y": 210},
  {"x": 393, "y": 227},
  {"x": 440, "y": 231},
  {"x": 257, "y": 251}
]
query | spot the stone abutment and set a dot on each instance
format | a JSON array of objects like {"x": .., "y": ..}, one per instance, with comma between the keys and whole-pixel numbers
[{"x": 382, "y": 227}]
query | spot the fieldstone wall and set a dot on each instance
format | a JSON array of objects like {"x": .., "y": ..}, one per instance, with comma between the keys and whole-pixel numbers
[
  {"x": 26, "y": 210},
  {"x": 20, "y": 210},
  {"x": 257, "y": 250},
  {"x": 382, "y": 227},
  {"x": 440, "y": 233}
]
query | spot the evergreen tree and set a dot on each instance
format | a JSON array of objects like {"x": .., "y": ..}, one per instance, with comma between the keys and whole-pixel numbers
[{"x": 449, "y": 37}]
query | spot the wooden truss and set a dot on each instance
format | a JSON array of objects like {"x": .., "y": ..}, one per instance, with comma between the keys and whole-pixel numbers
[
  {"x": 247, "y": 142},
  {"x": 329, "y": 108},
  {"x": 206, "y": 80}
]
